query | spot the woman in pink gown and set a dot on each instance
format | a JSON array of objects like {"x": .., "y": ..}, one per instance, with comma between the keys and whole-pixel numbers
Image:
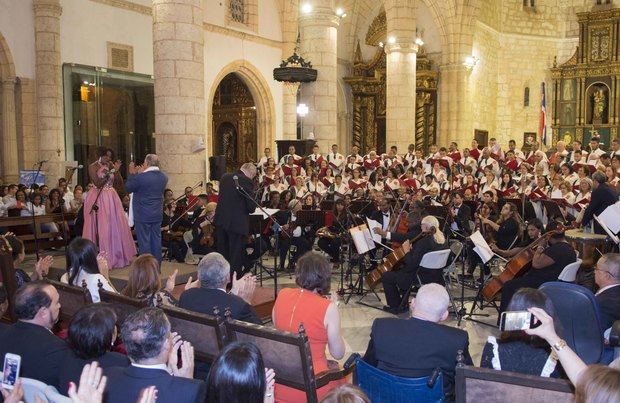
[{"x": 114, "y": 235}]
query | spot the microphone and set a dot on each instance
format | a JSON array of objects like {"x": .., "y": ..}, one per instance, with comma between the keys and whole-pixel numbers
[
  {"x": 236, "y": 179},
  {"x": 77, "y": 167}
]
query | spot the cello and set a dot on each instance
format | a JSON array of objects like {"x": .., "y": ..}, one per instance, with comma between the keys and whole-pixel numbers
[{"x": 516, "y": 267}]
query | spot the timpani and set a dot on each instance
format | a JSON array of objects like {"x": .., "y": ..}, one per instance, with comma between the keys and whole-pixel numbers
[{"x": 589, "y": 246}]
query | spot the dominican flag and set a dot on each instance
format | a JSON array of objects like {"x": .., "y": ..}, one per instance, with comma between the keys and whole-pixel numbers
[{"x": 542, "y": 126}]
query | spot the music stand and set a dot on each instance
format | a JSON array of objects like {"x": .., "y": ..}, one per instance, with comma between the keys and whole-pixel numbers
[
  {"x": 256, "y": 226},
  {"x": 358, "y": 288},
  {"x": 552, "y": 208},
  {"x": 310, "y": 217},
  {"x": 327, "y": 205}
]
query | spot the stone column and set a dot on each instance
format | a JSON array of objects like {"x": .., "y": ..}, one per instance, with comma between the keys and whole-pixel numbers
[
  {"x": 9, "y": 132},
  {"x": 289, "y": 95},
  {"x": 401, "y": 51},
  {"x": 178, "y": 67},
  {"x": 455, "y": 117},
  {"x": 49, "y": 87},
  {"x": 318, "y": 45}
]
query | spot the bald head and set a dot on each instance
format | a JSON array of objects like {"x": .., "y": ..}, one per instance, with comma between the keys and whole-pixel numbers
[
  {"x": 151, "y": 160},
  {"x": 249, "y": 170},
  {"x": 608, "y": 270},
  {"x": 431, "y": 303}
]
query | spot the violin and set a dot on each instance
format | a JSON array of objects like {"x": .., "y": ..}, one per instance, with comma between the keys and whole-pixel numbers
[{"x": 207, "y": 237}]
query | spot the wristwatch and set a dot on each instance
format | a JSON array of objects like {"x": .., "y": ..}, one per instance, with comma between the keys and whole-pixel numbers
[{"x": 559, "y": 346}]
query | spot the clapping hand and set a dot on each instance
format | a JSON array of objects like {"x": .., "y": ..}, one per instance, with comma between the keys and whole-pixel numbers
[
  {"x": 171, "y": 282},
  {"x": 42, "y": 267},
  {"x": 117, "y": 165},
  {"x": 192, "y": 284},
  {"x": 102, "y": 264},
  {"x": 91, "y": 387},
  {"x": 270, "y": 382},
  {"x": 244, "y": 287},
  {"x": 148, "y": 395},
  {"x": 187, "y": 356}
]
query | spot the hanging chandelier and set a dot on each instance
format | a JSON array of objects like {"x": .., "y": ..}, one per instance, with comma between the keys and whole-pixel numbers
[{"x": 295, "y": 69}]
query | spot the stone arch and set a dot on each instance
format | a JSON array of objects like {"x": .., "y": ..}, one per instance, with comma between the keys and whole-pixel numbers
[
  {"x": 7, "y": 67},
  {"x": 263, "y": 99}
]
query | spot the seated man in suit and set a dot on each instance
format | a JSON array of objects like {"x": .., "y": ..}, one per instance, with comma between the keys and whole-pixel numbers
[
  {"x": 153, "y": 352},
  {"x": 415, "y": 347},
  {"x": 607, "y": 277},
  {"x": 36, "y": 307},
  {"x": 214, "y": 276}
]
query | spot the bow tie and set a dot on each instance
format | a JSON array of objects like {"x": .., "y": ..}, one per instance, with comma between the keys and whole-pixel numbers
[{"x": 386, "y": 214}]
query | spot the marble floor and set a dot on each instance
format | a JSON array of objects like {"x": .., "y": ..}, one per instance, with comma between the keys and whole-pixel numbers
[{"x": 356, "y": 318}]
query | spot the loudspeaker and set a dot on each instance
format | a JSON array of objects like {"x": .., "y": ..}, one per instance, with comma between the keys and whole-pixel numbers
[{"x": 217, "y": 167}]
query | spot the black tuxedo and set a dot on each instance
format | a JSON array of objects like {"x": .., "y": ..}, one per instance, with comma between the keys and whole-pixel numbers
[
  {"x": 125, "y": 384},
  {"x": 609, "y": 304},
  {"x": 602, "y": 197},
  {"x": 413, "y": 348},
  {"x": 462, "y": 218},
  {"x": 378, "y": 216},
  {"x": 231, "y": 217},
  {"x": 204, "y": 299},
  {"x": 42, "y": 353},
  {"x": 73, "y": 365}
]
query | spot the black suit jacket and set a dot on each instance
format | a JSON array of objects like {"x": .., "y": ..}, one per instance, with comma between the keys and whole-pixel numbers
[
  {"x": 602, "y": 197},
  {"x": 232, "y": 207},
  {"x": 413, "y": 348},
  {"x": 410, "y": 234},
  {"x": 72, "y": 367},
  {"x": 609, "y": 304},
  {"x": 462, "y": 218},
  {"x": 378, "y": 216},
  {"x": 42, "y": 353},
  {"x": 204, "y": 299},
  {"x": 125, "y": 384}
]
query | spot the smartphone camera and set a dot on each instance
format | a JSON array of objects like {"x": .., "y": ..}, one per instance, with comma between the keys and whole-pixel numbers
[
  {"x": 516, "y": 320},
  {"x": 10, "y": 371}
]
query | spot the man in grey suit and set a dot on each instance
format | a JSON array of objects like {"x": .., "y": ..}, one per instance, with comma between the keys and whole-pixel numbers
[{"x": 147, "y": 183}]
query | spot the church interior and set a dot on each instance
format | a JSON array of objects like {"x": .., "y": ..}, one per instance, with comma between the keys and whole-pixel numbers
[{"x": 209, "y": 85}]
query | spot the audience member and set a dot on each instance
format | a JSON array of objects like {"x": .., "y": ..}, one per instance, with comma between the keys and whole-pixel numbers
[
  {"x": 41, "y": 268},
  {"x": 414, "y": 347},
  {"x": 91, "y": 335},
  {"x": 607, "y": 278},
  {"x": 520, "y": 351},
  {"x": 4, "y": 306},
  {"x": 214, "y": 276},
  {"x": 314, "y": 306},
  {"x": 36, "y": 307},
  {"x": 153, "y": 352},
  {"x": 144, "y": 283},
  {"x": 346, "y": 393},
  {"x": 87, "y": 268},
  {"x": 239, "y": 376},
  {"x": 598, "y": 384}
]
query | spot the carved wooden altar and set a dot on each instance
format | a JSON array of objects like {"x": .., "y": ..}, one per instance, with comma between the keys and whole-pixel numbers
[
  {"x": 369, "y": 95},
  {"x": 586, "y": 96},
  {"x": 234, "y": 122}
]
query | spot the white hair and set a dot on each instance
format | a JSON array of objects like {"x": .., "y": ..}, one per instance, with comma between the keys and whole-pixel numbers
[
  {"x": 432, "y": 221},
  {"x": 214, "y": 271},
  {"x": 431, "y": 301}
]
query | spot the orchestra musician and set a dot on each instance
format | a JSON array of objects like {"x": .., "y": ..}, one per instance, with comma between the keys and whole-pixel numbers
[
  {"x": 294, "y": 235},
  {"x": 603, "y": 196},
  {"x": 331, "y": 243},
  {"x": 414, "y": 220},
  {"x": 547, "y": 264},
  {"x": 460, "y": 215},
  {"x": 397, "y": 283},
  {"x": 203, "y": 231},
  {"x": 534, "y": 230},
  {"x": 173, "y": 226}
]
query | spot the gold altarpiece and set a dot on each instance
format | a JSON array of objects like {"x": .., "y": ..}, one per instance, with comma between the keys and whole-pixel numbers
[
  {"x": 586, "y": 88},
  {"x": 368, "y": 87},
  {"x": 234, "y": 122}
]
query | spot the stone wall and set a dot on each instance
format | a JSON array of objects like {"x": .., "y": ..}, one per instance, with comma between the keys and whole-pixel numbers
[
  {"x": 27, "y": 138},
  {"x": 483, "y": 85}
]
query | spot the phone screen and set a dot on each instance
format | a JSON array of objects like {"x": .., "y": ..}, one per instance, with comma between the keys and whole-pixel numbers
[
  {"x": 516, "y": 320},
  {"x": 10, "y": 370}
]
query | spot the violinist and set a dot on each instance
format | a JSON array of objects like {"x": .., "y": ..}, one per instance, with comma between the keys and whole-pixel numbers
[
  {"x": 273, "y": 201},
  {"x": 506, "y": 229},
  {"x": 460, "y": 215},
  {"x": 414, "y": 228},
  {"x": 331, "y": 244},
  {"x": 547, "y": 264},
  {"x": 295, "y": 235},
  {"x": 396, "y": 283},
  {"x": 173, "y": 226},
  {"x": 534, "y": 230},
  {"x": 203, "y": 231}
]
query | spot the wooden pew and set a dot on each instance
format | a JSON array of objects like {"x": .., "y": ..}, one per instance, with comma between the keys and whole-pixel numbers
[
  {"x": 206, "y": 333},
  {"x": 72, "y": 299},
  {"x": 22, "y": 227},
  {"x": 122, "y": 305},
  {"x": 288, "y": 354},
  {"x": 492, "y": 386}
]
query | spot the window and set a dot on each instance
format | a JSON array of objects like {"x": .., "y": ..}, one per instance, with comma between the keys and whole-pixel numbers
[
  {"x": 237, "y": 11},
  {"x": 529, "y": 3},
  {"x": 526, "y": 97}
]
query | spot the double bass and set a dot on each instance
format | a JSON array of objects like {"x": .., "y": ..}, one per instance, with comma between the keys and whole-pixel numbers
[{"x": 516, "y": 267}]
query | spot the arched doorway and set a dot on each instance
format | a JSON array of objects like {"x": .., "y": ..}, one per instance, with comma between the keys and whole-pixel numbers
[{"x": 234, "y": 122}]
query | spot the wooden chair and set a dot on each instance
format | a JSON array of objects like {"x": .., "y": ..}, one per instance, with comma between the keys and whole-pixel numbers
[
  {"x": 206, "y": 333},
  {"x": 492, "y": 386},
  {"x": 288, "y": 354},
  {"x": 122, "y": 305},
  {"x": 72, "y": 298}
]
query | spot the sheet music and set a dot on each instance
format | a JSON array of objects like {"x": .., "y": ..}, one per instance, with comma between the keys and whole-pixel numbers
[
  {"x": 557, "y": 194},
  {"x": 372, "y": 224},
  {"x": 481, "y": 247},
  {"x": 611, "y": 217},
  {"x": 362, "y": 239},
  {"x": 270, "y": 211}
]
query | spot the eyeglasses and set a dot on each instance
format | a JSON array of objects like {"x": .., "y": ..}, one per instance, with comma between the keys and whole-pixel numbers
[{"x": 605, "y": 271}]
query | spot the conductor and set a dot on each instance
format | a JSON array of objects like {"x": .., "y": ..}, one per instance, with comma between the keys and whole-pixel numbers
[{"x": 231, "y": 216}]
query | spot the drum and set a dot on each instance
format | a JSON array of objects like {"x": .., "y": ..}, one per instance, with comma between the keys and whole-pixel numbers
[{"x": 589, "y": 246}]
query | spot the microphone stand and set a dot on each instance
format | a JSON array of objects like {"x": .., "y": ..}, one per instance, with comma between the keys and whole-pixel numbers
[
  {"x": 276, "y": 231},
  {"x": 34, "y": 221}
]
